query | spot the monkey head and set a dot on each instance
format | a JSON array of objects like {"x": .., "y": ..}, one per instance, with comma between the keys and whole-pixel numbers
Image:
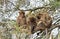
[
  {"x": 43, "y": 21},
  {"x": 22, "y": 13}
]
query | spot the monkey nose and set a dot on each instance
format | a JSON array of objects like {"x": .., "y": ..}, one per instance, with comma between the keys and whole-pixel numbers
[{"x": 41, "y": 24}]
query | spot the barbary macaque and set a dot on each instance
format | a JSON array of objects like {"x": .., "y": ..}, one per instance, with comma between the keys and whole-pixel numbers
[
  {"x": 43, "y": 21},
  {"x": 21, "y": 19},
  {"x": 32, "y": 23},
  {"x": 38, "y": 22}
]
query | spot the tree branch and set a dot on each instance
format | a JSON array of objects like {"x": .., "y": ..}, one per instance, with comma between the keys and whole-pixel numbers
[
  {"x": 56, "y": 21},
  {"x": 49, "y": 30},
  {"x": 33, "y": 9},
  {"x": 11, "y": 3}
]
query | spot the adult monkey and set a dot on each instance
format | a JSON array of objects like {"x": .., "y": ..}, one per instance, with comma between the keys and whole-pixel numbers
[
  {"x": 31, "y": 21},
  {"x": 44, "y": 20},
  {"x": 21, "y": 19}
]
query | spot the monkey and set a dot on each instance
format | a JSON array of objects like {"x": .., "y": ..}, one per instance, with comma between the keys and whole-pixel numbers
[
  {"x": 40, "y": 22},
  {"x": 31, "y": 21},
  {"x": 21, "y": 19},
  {"x": 43, "y": 21}
]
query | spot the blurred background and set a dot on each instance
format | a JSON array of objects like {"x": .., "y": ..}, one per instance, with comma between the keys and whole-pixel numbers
[{"x": 9, "y": 12}]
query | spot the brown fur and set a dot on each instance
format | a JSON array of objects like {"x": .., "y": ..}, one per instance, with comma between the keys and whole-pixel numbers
[
  {"x": 43, "y": 21},
  {"x": 32, "y": 23},
  {"x": 40, "y": 22},
  {"x": 21, "y": 19}
]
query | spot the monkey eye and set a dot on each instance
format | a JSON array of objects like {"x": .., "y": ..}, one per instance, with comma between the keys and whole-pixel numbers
[{"x": 38, "y": 17}]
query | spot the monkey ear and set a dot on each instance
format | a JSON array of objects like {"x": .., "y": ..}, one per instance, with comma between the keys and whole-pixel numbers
[{"x": 21, "y": 12}]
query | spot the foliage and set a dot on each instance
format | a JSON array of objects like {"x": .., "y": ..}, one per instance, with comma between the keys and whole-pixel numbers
[
  {"x": 55, "y": 4},
  {"x": 15, "y": 29}
]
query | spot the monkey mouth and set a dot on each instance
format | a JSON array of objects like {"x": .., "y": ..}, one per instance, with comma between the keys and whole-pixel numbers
[{"x": 41, "y": 24}]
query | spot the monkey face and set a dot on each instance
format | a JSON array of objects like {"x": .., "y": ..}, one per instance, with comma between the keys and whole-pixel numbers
[{"x": 43, "y": 21}]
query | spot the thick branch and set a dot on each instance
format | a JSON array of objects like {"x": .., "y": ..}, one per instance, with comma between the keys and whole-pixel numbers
[
  {"x": 57, "y": 21},
  {"x": 33, "y": 9},
  {"x": 53, "y": 27},
  {"x": 49, "y": 30}
]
